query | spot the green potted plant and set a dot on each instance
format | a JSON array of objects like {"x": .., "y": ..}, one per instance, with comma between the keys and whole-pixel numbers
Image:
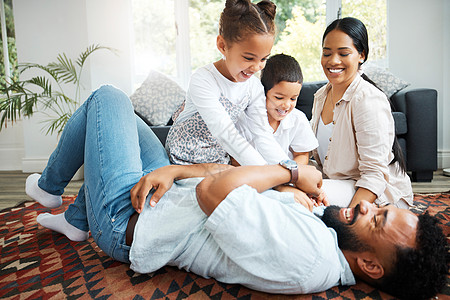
[{"x": 23, "y": 97}]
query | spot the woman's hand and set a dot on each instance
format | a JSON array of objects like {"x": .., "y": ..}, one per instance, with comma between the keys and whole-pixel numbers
[{"x": 160, "y": 180}]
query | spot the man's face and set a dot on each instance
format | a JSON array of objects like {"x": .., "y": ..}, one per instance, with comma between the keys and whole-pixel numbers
[{"x": 368, "y": 227}]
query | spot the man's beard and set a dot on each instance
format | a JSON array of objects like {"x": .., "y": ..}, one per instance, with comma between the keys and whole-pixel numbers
[{"x": 347, "y": 238}]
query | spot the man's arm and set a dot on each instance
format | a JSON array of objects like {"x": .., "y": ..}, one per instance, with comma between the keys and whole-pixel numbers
[
  {"x": 161, "y": 181},
  {"x": 213, "y": 189}
]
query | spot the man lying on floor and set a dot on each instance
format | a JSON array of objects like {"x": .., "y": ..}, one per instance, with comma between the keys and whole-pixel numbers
[{"x": 228, "y": 224}]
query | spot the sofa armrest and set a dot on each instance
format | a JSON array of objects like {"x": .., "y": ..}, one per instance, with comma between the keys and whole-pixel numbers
[
  {"x": 420, "y": 108},
  {"x": 161, "y": 132}
]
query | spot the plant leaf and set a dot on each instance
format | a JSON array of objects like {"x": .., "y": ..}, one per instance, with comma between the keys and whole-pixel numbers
[
  {"x": 51, "y": 71},
  {"x": 43, "y": 83},
  {"x": 65, "y": 69},
  {"x": 90, "y": 49}
]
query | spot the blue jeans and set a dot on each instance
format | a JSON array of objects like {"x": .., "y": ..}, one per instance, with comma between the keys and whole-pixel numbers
[{"x": 117, "y": 149}]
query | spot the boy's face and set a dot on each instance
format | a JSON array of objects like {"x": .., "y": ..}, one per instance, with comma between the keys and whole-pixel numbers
[{"x": 281, "y": 100}]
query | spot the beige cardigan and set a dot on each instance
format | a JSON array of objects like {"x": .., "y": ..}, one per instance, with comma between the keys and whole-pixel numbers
[{"x": 361, "y": 143}]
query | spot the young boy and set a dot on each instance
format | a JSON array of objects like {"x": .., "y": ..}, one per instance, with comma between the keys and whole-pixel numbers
[{"x": 282, "y": 79}]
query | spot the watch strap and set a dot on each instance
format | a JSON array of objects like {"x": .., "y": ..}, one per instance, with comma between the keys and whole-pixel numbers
[{"x": 294, "y": 175}]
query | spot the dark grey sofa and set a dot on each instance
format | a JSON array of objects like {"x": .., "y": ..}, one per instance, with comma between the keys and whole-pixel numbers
[{"x": 415, "y": 115}]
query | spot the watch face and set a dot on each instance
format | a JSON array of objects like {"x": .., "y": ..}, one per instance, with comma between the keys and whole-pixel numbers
[{"x": 289, "y": 163}]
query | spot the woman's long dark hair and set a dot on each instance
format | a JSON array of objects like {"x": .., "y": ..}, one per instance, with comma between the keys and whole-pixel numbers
[{"x": 357, "y": 31}]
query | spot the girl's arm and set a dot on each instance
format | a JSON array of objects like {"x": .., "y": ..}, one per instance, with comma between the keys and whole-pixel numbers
[
  {"x": 214, "y": 189},
  {"x": 204, "y": 93},
  {"x": 374, "y": 132},
  {"x": 162, "y": 179}
]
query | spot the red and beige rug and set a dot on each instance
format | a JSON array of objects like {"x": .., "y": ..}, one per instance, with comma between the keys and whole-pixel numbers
[{"x": 37, "y": 263}]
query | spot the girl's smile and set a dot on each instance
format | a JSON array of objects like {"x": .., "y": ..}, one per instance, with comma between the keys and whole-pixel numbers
[{"x": 244, "y": 58}]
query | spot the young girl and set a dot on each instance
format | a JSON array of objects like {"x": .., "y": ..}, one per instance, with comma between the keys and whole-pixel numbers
[
  {"x": 218, "y": 93},
  {"x": 353, "y": 123}
]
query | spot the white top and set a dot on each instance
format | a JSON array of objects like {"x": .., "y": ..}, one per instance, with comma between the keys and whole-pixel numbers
[
  {"x": 206, "y": 86},
  {"x": 294, "y": 252},
  {"x": 324, "y": 133},
  {"x": 293, "y": 134}
]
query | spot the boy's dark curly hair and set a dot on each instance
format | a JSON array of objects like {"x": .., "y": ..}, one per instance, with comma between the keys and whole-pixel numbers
[
  {"x": 280, "y": 67},
  {"x": 420, "y": 272}
]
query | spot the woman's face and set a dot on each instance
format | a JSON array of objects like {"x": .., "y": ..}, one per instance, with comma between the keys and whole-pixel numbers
[{"x": 340, "y": 59}]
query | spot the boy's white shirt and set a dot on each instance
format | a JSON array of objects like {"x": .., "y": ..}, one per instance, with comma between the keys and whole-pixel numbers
[{"x": 293, "y": 134}]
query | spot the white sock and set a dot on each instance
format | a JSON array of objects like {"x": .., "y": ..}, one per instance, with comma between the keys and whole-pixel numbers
[
  {"x": 36, "y": 193},
  {"x": 59, "y": 224}
]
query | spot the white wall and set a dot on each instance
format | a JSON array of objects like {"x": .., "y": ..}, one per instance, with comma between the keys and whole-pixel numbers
[
  {"x": 45, "y": 28},
  {"x": 444, "y": 109},
  {"x": 418, "y": 39}
]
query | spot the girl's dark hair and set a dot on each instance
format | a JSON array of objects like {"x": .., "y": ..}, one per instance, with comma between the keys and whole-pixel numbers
[
  {"x": 241, "y": 18},
  {"x": 357, "y": 31},
  {"x": 280, "y": 67}
]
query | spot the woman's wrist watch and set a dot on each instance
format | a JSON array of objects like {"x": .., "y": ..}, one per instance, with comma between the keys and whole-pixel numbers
[{"x": 291, "y": 165}]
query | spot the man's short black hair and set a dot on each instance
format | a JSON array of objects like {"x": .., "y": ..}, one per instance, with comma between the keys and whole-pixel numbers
[
  {"x": 420, "y": 272},
  {"x": 280, "y": 67}
]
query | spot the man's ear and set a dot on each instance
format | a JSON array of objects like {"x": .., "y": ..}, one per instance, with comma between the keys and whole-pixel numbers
[
  {"x": 221, "y": 44},
  {"x": 370, "y": 266}
]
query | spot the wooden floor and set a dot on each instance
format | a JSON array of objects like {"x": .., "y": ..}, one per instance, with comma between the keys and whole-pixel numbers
[{"x": 12, "y": 187}]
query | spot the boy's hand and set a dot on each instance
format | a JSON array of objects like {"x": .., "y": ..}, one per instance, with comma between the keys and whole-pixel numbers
[
  {"x": 299, "y": 196},
  {"x": 322, "y": 199}
]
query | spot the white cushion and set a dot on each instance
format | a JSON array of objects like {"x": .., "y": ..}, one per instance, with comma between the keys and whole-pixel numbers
[
  {"x": 385, "y": 80},
  {"x": 157, "y": 98}
]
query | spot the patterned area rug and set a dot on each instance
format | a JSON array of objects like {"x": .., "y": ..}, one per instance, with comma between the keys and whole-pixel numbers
[{"x": 37, "y": 263}]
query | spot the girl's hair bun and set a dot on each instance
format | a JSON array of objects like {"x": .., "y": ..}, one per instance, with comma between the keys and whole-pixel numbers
[
  {"x": 242, "y": 17},
  {"x": 237, "y": 8},
  {"x": 268, "y": 7}
]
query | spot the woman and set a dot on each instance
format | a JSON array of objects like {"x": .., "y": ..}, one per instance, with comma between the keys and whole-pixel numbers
[{"x": 353, "y": 123}]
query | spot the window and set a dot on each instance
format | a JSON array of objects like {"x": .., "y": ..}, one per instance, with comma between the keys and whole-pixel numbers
[
  {"x": 373, "y": 14},
  {"x": 158, "y": 25},
  {"x": 204, "y": 26},
  {"x": 154, "y": 38},
  {"x": 301, "y": 25},
  {"x": 11, "y": 44}
]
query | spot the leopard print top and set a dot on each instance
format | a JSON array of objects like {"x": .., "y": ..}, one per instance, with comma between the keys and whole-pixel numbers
[{"x": 191, "y": 142}]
